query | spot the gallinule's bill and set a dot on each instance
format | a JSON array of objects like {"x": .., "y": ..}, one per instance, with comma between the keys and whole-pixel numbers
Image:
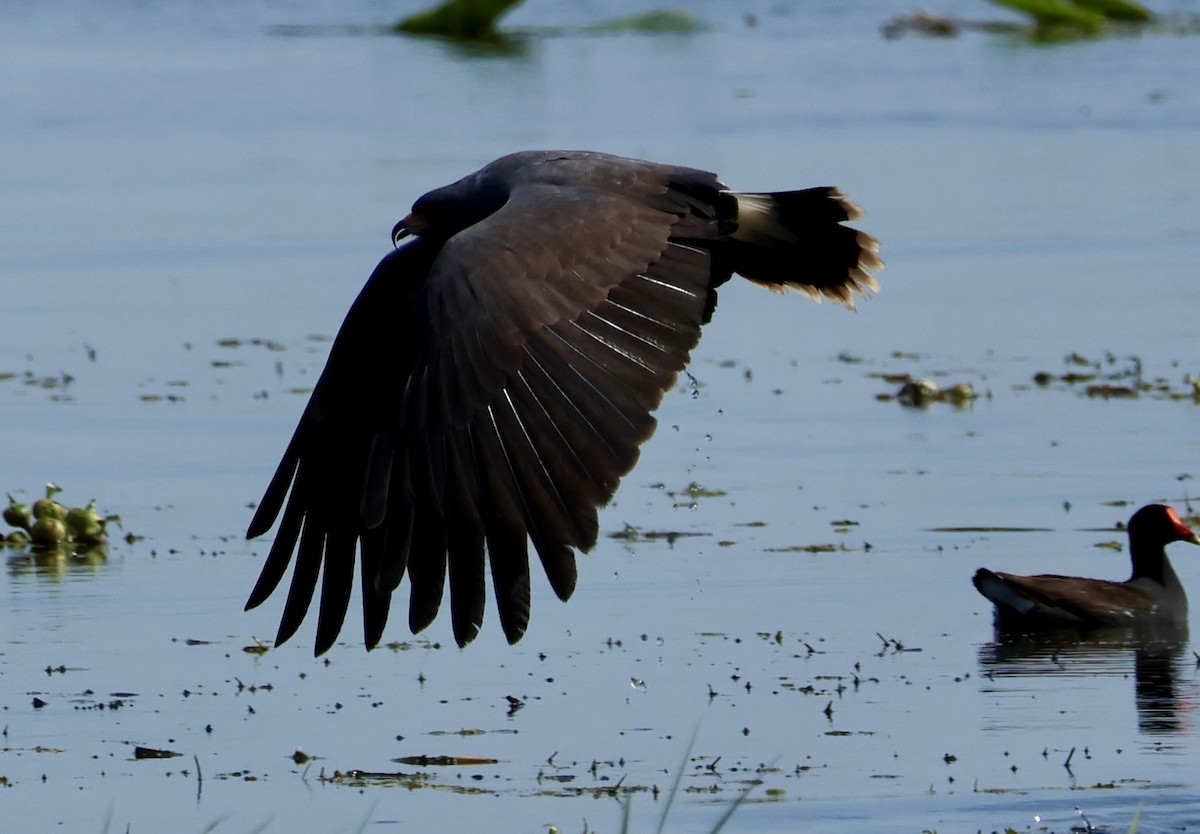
[
  {"x": 496, "y": 375},
  {"x": 1153, "y": 595}
]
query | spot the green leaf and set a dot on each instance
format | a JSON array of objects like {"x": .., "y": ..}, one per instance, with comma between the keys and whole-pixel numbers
[
  {"x": 461, "y": 19},
  {"x": 1049, "y": 13},
  {"x": 1118, "y": 9}
]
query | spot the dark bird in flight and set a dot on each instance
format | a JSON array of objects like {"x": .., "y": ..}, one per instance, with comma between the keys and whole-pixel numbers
[
  {"x": 494, "y": 379},
  {"x": 1153, "y": 594}
]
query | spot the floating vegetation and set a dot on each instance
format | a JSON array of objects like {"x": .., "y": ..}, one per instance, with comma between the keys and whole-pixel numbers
[
  {"x": 1048, "y": 20},
  {"x": 49, "y": 526},
  {"x": 1085, "y": 16},
  {"x": 269, "y": 344},
  {"x": 374, "y": 778},
  {"x": 636, "y": 534},
  {"x": 920, "y": 393},
  {"x": 475, "y": 21},
  {"x": 458, "y": 19},
  {"x": 990, "y": 530},
  {"x": 1110, "y": 377},
  {"x": 661, "y": 22},
  {"x": 936, "y": 25},
  {"x": 695, "y": 490},
  {"x": 810, "y": 548}
]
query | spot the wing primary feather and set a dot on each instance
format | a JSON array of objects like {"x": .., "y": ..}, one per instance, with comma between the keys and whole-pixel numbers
[
  {"x": 426, "y": 567},
  {"x": 642, "y": 317},
  {"x": 545, "y": 380},
  {"x": 573, "y": 486},
  {"x": 615, "y": 348},
  {"x": 304, "y": 579},
  {"x": 633, "y": 335},
  {"x": 375, "y": 602},
  {"x": 545, "y": 516},
  {"x": 667, "y": 285},
  {"x": 277, "y": 489},
  {"x": 503, "y": 512},
  {"x": 465, "y": 539},
  {"x": 337, "y": 582},
  {"x": 632, "y": 401},
  {"x": 397, "y": 543},
  {"x": 373, "y": 504},
  {"x": 508, "y": 557},
  {"x": 602, "y": 457},
  {"x": 280, "y": 554}
]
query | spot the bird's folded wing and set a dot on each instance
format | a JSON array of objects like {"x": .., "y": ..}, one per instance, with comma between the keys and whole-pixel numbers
[{"x": 1091, "y": 600}]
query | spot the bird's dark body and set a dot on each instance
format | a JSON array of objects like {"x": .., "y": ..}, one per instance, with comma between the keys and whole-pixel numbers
[
  {"x": 1152, "y": 596},
  {"x": 496, "y": 376}
]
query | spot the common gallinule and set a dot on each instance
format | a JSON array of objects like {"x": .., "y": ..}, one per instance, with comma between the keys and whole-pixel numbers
[
  {"x": 1153, "y": 595},
  {"x": 496, "y": 375}
]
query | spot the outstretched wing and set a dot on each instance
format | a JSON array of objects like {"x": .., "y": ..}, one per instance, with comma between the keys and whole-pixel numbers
[
  {"x": 322, "y": 475},
  {"x": 496, "y": 402}
]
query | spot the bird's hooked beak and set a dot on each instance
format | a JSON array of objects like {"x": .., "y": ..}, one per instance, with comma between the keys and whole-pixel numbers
[{"x": 414, "y": 224}]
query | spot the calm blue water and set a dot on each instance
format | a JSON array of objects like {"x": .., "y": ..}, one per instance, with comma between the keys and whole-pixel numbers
[{"x": 178, "y": 174}]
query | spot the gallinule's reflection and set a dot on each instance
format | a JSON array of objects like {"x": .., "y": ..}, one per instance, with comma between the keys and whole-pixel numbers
[{"x": 1159, "y": 655}]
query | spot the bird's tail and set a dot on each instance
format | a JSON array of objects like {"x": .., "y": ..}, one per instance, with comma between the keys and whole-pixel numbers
[
  {"x": 795, "y": 239},
  {"x": 1002, "y": 593}
]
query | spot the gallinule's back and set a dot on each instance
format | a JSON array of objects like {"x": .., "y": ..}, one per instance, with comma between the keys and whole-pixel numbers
[
  {"x": 1152, "y": 595},
  {"x": 496, "y": 376}
]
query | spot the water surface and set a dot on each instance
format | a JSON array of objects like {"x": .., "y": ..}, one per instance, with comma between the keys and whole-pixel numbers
[{"x": 180, "y": 176}]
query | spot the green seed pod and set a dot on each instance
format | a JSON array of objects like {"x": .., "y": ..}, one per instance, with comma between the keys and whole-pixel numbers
[
  {"x": 18, "y": 515},
  {"x": 49, "y": 508},
  {"x": 48, "y": 531},
  {"x": 82, "y": 520},
  {"x": 17, "y": 538},
  {"x": 93, "y": 531}
]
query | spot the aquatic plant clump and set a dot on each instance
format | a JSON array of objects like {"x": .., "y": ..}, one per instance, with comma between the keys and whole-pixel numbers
[{"x": 48, "y": 524}]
